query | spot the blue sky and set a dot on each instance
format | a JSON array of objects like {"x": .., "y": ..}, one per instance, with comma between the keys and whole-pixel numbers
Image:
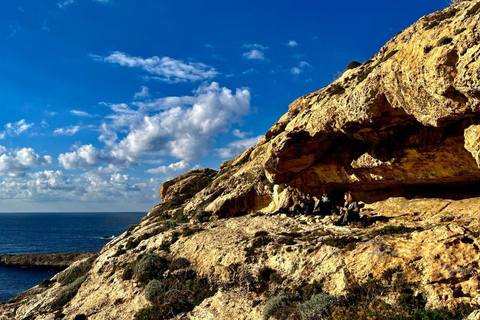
[{"x": 102, "y": 100}]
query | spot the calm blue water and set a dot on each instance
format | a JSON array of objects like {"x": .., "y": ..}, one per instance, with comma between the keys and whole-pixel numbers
[{"x": 53, "y": 232}]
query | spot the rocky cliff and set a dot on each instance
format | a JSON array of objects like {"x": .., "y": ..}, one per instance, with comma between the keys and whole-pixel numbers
[{"x": 402, "y": 130}]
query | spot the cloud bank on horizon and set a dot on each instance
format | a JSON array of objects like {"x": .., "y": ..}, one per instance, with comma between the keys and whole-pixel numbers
[{"x": 99, "y": 110}]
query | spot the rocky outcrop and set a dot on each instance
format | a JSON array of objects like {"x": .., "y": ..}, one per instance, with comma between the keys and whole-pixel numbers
[
  {"x": 398, "y": 119},
  {"x": 406, "y": 122},
  {"x": 44, "y": 260}
]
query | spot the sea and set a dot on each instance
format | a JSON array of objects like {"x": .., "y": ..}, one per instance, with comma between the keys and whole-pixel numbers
[{"x": 22, "y": 233}]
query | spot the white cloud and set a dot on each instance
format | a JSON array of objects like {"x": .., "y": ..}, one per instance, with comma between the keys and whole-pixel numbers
[
  {"x": 68, "y": 131},
  {"x": 302, "y": 66},
  {"x": 85, "y": 156},
  {"x": 81, "y": 114},
  {"x": 163, "y": 69},
  {"x": 89, "y": 187},
  {"x": 255, "y": 46},
  {"x": 254, "y": 55},
  {"x": 15, "y": 129},
  {"x": 292, "y": 43},
  {"x": 143, "y": 93},
  {"x": 17, "y": 163},
  {"x": 184, "y": 132},
  {"x": 173, "y": 169},
  {"x": 65, "y": 3},
  {"x": 234, "y": 148},
  {"x": 240, "y": 134}
]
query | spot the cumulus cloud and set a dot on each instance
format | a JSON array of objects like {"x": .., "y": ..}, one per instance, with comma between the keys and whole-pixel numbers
[
  {"x": 184, "y": 132},
  {"x": 85, "y": 156},
  {"x": 15, "y": 129},
  {"x": 68, "y": 131},
  {"x": 234, "y": 148},
  {"x": 16, "y": 163},
  {"x": 164, "y": 69},
  {"x": 173, "y": 169},
  {"x": 292, "y": 43},
  {"x": 92, "y": 186},
  {"x": 254, "y": 55}
]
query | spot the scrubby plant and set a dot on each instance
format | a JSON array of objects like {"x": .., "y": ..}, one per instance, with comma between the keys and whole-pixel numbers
[
  {"x": 277, "y": 305},
  {"x": 341, "y": 242},
  {"x": 149, "y": 267},
  {"x": 67, "y": 293},
  {"x": 317, "y": 306},
  {"x": 393, "y": 230},
  {"x": 149, "y": 313},
  {"x": 71, "y": 274},
  {"x": 153, "y": 289},
  {"x": 131, "y": 243}
]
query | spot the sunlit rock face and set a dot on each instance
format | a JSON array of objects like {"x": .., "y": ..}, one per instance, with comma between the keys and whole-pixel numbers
[
  {"x": 401, "y": 118},
  {"x": 408, "y": 119}
]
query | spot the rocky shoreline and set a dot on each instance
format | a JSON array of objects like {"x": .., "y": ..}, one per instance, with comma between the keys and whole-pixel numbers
[{"x": 44, "y": 260}]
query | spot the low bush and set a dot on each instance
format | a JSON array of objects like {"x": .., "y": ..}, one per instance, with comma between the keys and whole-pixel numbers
[
  {"x": 149, "y": 267},
  {"x": 153, "y": 289},
  {"x": 149, "y": 313},
  {"x": 317, "y": 306},
  {"x": 277, "y": 306},
  {"x": 131, "y": 244},
  {"x": 68, "y": 293},
  {"x": 71, "y": 274}
]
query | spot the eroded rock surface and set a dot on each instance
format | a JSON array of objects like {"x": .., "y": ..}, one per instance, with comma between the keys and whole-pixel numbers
[{"x": 405, "y": 122}]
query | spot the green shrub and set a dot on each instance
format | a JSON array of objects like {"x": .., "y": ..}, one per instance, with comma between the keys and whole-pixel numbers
[
  {"x": 341, "y": 242},
  {"x": 71, "y": 274},
  {"x": 275, "y": 305},
  {"x": 317, "y": 306},
  {"x": 149, "y": 313},
  {"x": 153, "y": 289},
  {"x": 131, "y": 244},
  {"x": 393, "y": 230},
  {"x": 150, "y": 267},
  {"x": 68, "y": 293}
]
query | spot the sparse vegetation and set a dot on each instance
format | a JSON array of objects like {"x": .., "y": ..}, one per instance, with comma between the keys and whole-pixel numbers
[
  {"x": 175, "y": 293},
  {"x": 341, "y": 242},
  {"x": 393, "y": 230},
  {"x": 278, "y": 305},
  {"x": 67, "y": 293},
  {"x": 317, "y": 306},
  {"x": 153, "y": 289},
  {"x": 71, "y": 274},
  {"x": 150, "y": 267}
]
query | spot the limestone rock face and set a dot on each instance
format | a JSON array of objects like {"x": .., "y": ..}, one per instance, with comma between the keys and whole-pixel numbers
[
  {"x": 397, "y": 119},
  {"x": 408, "y": 120}
]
